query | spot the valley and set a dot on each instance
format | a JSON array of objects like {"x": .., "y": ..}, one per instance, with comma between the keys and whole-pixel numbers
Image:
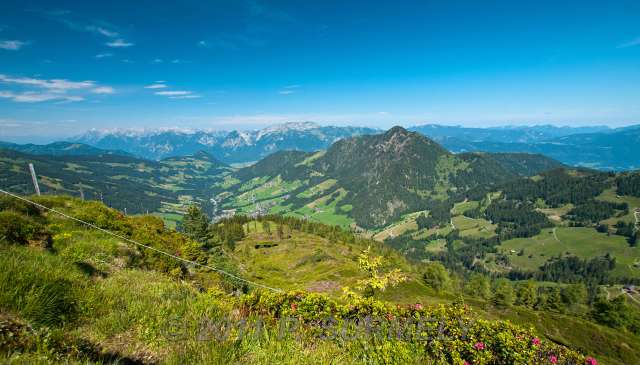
[{"x": 480, "y": 227}]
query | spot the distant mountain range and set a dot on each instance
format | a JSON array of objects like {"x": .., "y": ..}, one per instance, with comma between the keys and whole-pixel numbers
[
  {"x": 596, "y": 147},
  {"x": 229, "y": 147}
]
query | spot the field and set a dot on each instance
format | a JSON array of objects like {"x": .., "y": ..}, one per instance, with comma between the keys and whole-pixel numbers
[
  {"x": 578, "y": 241},
  {"x": 633, "y": 202},
  {"x": 405, "y": 224},
  {"x": 473, "y": 227}
]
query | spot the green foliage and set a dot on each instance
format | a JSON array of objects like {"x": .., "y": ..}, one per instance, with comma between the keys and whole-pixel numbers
[
  {"x": 616, "y": 313},
  {"x": 18, "y": 229},
  {"x": 503, "y": 294},
  {"x": 195, "y": 223},
  {"x": 526, "y": 293},
  {"x": 375, "y": 280},
  {"x": 455, "y": 336},
  {"x": 436, "y": 276},
  {"x": 629, "y": 184},
  {"x": 478, "y": 285}
]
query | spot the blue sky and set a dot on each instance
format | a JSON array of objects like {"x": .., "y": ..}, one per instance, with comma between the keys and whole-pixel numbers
[{"x": 68, "y": 66}]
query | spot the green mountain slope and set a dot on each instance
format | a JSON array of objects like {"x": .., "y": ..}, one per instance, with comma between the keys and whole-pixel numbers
[
  {"x": 72, "y": 295},
  {"x": 123, "y": 182},
  {"x": 370, "y": 181}
]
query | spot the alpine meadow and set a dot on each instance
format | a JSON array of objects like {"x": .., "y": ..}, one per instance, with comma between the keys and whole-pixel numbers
[{"x": 284, "y": 182}]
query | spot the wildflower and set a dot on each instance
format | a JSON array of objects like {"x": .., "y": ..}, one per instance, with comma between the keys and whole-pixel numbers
[
  {"x": 466, "y": 363},
  {"x": 294, "y": 307},
  {"x": 418, "y": 306},
  {"x": 535, "y": 341},
  {"x": 553, "y": 359},
  {"x": 479, "y": 346},
  {"x": 591, "y": 361}
]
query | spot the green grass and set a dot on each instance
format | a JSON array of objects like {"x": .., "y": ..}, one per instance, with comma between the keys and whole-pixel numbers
[
  {"x": 113, "y": 305},
  {"x": 579, "y": 241},
  {"x": 472, "y": 227},
  {"x": 633, "y": 202},
  {"x": 460, "y": 208}
]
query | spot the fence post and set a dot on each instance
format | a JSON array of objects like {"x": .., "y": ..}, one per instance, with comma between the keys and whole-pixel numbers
[{"x": 34, "y": 179}]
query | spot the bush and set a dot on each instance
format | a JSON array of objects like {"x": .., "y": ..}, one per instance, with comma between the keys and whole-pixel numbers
[
  {"x": 452, "y": 334},
  {"x": 18, "y": 229}
]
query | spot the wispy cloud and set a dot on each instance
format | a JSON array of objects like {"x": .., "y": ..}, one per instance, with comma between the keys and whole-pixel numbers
[
  {"x": 289, "y": 89},
  {"x": 173, "y": 93},
  {"x": 631, "y": 43},
  {"x": 81, "y": 23},
  {"x": 12, "y": 45},
  {"x": 103, "y": 90},
  {"x": 157, "y": 60},
  {"x": 35, "y": 97},
  {"x": 104, "y": 55},
  {"x": 56, "y": 85},
  {"x": 191, "y": 96},
  {"x": 119, "y": 43},
  {"x": 157, "y": 85},
  {"x": 233, "y": 42},
  {"x": 32, "y": 90},
  {"x": 178, "y": 94}
]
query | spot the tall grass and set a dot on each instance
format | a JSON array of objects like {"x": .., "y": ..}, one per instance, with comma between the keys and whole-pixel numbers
[{"x": 40, "y": 286}]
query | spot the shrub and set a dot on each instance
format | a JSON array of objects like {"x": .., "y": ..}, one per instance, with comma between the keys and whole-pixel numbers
[{"x": 18, "y": 229}]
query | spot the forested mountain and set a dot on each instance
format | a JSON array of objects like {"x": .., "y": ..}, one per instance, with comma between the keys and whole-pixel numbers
[
  {"x": 230, "y": 147},
  {"x": 123, "y": 182},
  {"x": 370, "y": 180}
]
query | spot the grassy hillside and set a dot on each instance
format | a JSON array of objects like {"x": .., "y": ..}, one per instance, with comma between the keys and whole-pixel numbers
[
  {"x": 72, "y": 295},
  {"x": 122, "y": 182}
]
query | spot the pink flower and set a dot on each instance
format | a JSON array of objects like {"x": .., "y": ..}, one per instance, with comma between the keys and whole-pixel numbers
[
  {"x": 418, "y": 306},
  {"x": 294, "y": 307},
  {"x": 553, "y": 359},
  {"x": 591, "y": 361},
  {"x": 466, "y": 363},
  {"x": 535, "y": 341},
  {"x": 479, "y": 346}
]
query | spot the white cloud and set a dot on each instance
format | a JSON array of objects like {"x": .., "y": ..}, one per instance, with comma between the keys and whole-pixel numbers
[
  {"x": 32, "y": 90},
  {"x": 101, "y": 30},
  {"x": 119, "y": 43},
  {"x": 631, "y": 43},
  {"x": 191, "y": 96},
  {"x": 173, "y": 93},
  {"x": 157, "y": 60},
  {"x": 36, "y": 97},
  {"x": 204, "y": 44},
  {"x": 104, "y": 55},
  {"x": 103, "y": 90},
  {"x": 289, "y": 89},
  {"x": 156, "y": 86},
  {"x": 12, "y": 45},
  {"x": 56, "y": 85}
]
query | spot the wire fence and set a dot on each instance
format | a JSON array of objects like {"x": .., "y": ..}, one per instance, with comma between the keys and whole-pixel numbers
[{"x": 129, "y": 240}]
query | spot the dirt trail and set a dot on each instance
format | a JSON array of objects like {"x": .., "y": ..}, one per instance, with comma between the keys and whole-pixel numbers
[{"x": 555, "y": 235}]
